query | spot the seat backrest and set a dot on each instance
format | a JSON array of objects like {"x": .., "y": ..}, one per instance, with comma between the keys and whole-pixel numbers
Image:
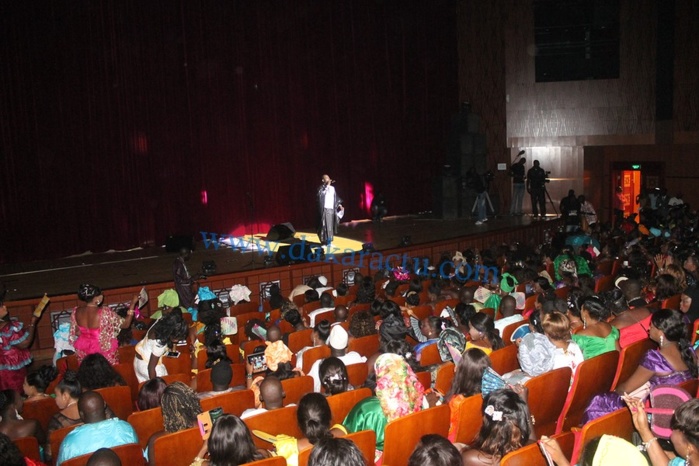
[
  {"x": 403, "y": 434},
  {"x": 178, "y": 448},
  {"x": 311, "y": 355},
  {"x": 231, "y": 402},
  {"x": 673, "y": 302},
  {"x": 547, "y": 394},
  {"x": 505, "y": 359},
  {"x": 130, "y": 454},
  {"x": 430, "y": 355},
  {"x": 273, "y": 461},
  {"x": 604, "y": 283},
  {"x": 118, "y": 399},
  {"x": 344, "y": 300},
  {"x": 342, "y": 403},
  {"x": 470, "y": 419},
  {"x": 29, "y": 446},
  {"x": 691, "y": 386},
  {"x": 244, "y": 308},
  {"x": 530, "y": 302},
  {"x": 593, "y": 376},
  {"x": 695, "y": 329},
  {"x": 618, "y": 423},
  {"x": 629, "y": 357},
  {"x": 309, "y": 307},
  {"x": 179, "y": 365},
  {"x": 249, "y": 347},
  {"x": 300, "y": 339},
  {"x": 489, "y": 311},
  {"x": 422, "y": 311},
  {"x": 127, "y": 354},
  {"x": 41, "y": 409},
  {"x": 357, "y": 373},
  {"x": 146, "y": 423},
  {"x": 366, "y": 346},
  {"x": 425, "y": 378},
  {"x": 605, "y": 267},
  {"x": 509, "y": 330},
  {"x": 126, "y": 370},
  {"x": 562, "y": 292},
  {"x": 275, "y": 422},
  {"x": 444, "y": 378},
  {"x": 295, "y": 388},
  {"x": 439, "y": 306},
  {"x": 57, "y": 436},
  {"x": 232, "y": 351},
  {"x": 530, "y": 455}
]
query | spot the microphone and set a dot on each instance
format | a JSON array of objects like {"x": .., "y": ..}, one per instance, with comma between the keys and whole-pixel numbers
[{"x": 522, "y": 152}]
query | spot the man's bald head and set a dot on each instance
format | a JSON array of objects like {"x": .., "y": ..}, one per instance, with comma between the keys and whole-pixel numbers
[
  {"x": 466, "y": 295},
  {"x": 104, "y": 457},
  {"x": 631, "y": 288},
  {"x": 508, "y": 306},
  {"x": 91, "y": 407},
  {"x": 271, "y": 393}
]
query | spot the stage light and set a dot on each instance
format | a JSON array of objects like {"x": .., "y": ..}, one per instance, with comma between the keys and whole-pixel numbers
[
  {"x": 405, "y": 241},
  {"x": 204, "y": 197}
]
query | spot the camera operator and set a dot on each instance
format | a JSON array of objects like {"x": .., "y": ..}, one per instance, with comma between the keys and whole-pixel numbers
[
  {"x": 536, "y": 187},
  {"x": 517, "y": 174},
  {"x": 570, "y": 209},
  {"x": 478, "y": 184}
]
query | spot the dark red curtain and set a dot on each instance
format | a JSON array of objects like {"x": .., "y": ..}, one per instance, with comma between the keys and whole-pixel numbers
[{"x": 124, "y": 121}]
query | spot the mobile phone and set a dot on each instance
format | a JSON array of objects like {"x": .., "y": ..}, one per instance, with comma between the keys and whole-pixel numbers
[
  {"x": 258, "y": 362},
  {"x": 206, "y": 420},
  {"x": 173, "y": 354},
  {"x": 546, "y": 454}
]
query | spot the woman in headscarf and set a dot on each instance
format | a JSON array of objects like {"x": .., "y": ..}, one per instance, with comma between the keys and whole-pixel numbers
[{"x": 398, "y": 392}]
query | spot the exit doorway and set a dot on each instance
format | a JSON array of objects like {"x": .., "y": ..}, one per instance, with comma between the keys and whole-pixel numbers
[{"x": 631, "y": 177}]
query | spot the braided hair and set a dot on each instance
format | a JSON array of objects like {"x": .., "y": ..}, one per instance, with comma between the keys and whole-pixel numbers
[{"x": 180, "y": 406}]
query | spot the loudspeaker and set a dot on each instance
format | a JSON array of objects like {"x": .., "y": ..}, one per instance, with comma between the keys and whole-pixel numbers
[
  {"x": 281, "y": 232},
  {"x": 298, "y": 252},
  {"x": 174, "y": 243}
]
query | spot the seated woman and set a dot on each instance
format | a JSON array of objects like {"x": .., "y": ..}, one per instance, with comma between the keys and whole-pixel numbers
[
  {"x": 632, "y": 322},
  {"x": 230, "y": 443},
  {"x": 333, "y": 376},
  {"x": 180, "y": 406},
  {"x": 151, "y": 393},
  {"x": 398, "y": 392},
  {"x": 319, "y": 336},
  {"x": 169, "y": 329},
  {"x": 684, "y": 438},
  {"x": 483, "y": 333},
  {"x": 10, "y": 454},
  {"x": 606, "y": 449},
  {"x": 597, "y": 336},
  {"x": 672, "y": 363},
  {"x": 314, "y": 416},
  {"x": 435, "y": 450},
  {"x": 96, "y": 372},
  {"x": 35, "y": 383},
  {"x": 425, "y": 331},
  {"x": 11, "y": 423},
  {"x": 567, "y": 353},
  {"x": 467, "y": 382},
  {"x": 506, "y": 427}
]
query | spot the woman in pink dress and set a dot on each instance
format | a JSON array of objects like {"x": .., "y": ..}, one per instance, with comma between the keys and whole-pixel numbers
[{"x": 93, "y": 328}]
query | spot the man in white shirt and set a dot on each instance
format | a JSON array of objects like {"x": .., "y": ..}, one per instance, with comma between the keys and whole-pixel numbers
[
  {"x": 328, "y": 205},
  {"x": 326, "y": 304},
  {"x": 507, "y": 310},
  {"x": 338, "y": 340}
]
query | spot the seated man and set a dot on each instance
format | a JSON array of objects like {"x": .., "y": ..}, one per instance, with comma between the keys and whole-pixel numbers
[
  {"x": 221, "y": 376},
  {"x": 97, "y": 432},
  {"x": 327, "y": 303},
  {"x": 507, "y": 311},
  {"x": 271, "y": 396}
]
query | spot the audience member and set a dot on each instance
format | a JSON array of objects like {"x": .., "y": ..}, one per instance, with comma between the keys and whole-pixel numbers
[
  {"x": 337, "y": 342},
  {"x": 94, "y": 328},
  {"x": 10, "y": 455},
  {"x": 435, "y": 450},
  {"x": 35, "y": 383},
  {"x": 597, "y": 336},
  {"x": 271, "y": 396},
  {"x": 336, "y": 452},
  {"x": 150, "y": 394},
  {"x": 97, "y": 432},
  {"x": 508, "y": 307},
  {"x": 483, "y": 333},
  {"x": 147, "y": 362},
  {"x": 104, "y": 457},
  {"x": 96, "y": 372},
  {"x": 14, "y": 351},
  {"x": 221, "y": 376},
  {"x": 230, "y": 443},
  {"x": 12, "y": 424},
  {"x": 319, "y": 337},
  {"x": 467, "y": 382},
  {"x": 333, "y": 376}
]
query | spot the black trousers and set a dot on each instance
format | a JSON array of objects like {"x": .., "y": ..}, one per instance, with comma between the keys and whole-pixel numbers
[{"x": 538, "y": 202}]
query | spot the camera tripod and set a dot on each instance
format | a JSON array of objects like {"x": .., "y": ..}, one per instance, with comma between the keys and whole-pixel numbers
[
  {"x": 553, "y": 206},
  {"x": 489, "y": 204}
]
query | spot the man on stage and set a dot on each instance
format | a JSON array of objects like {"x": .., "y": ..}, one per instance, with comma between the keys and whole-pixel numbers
[
  {"x": 536, "y": 187},
  {"x": 330, "y": 211}
]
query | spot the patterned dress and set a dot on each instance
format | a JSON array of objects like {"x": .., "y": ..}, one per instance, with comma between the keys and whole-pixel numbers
[
  {"x": 13, "y": 360},
  {"x": 663, "y": 373},
  {"x": 97, "y": 340}
]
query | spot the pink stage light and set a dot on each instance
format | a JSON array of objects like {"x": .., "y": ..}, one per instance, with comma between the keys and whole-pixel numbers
[
  {"x": 367, "y": 197},
  {"x": 204, "y": 197}
]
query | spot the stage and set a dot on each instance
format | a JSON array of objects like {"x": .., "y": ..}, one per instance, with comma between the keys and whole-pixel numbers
[{"x": 118, "y": 269}]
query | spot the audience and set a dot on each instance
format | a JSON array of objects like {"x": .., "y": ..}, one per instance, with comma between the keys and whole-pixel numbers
[
  {"x": 230, "y": 443},
  {"x": 36, "y": 383},
  {"x": 435, "y": 450},
  {"x": 96, "y": 372},
  {"x": 151, "y": 393},
  {"x": 338, "y": 341},
  {"x": 11, "y": 423}
]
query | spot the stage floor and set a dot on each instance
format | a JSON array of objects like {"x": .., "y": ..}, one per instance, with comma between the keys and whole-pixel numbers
[{"x": 138, "y": 266}]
